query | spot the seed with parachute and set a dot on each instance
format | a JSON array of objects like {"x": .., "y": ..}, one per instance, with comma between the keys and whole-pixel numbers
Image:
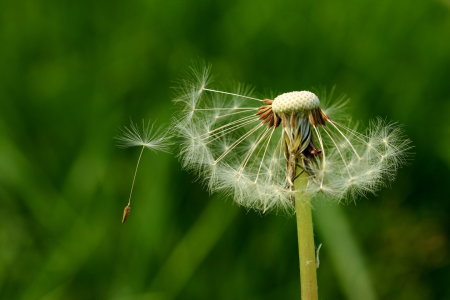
[{"x": 145, "y": 137}]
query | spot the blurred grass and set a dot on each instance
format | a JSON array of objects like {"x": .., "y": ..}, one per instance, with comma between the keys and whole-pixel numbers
[
  {"x": 346, "y": 257},
  {"x": 73, "y": 73}
]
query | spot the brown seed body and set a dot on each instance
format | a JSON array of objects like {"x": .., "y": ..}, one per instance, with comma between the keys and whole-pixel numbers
[{"x": 126, "y": 213}]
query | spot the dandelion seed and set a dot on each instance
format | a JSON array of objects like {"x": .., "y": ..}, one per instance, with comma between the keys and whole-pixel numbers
[
  {"x": 256, "y": 148},
  {"x": 146, "y": 138}
]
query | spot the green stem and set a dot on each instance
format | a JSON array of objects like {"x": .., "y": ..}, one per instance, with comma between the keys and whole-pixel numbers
[{"x": 306, "y": 249}]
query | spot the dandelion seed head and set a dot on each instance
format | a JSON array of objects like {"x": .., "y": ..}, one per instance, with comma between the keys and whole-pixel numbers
[
  {"x": 295, "y": 102},
  {"x": 252, "y": 149}
]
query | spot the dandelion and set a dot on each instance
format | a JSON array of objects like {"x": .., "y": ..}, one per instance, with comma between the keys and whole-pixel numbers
[
  {"x": 145, "y": 137},
  {"x": 281, "y": 152}
]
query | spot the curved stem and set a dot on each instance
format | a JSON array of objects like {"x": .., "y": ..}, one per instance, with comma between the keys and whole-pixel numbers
[
  {"x": 134, "y": 176},
  {"x": 127, "y": 209},
  {"x": 306, "y": 249}
]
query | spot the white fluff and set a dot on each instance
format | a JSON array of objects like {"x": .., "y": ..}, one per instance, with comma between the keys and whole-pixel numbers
[{"x": 146, "y": 136}]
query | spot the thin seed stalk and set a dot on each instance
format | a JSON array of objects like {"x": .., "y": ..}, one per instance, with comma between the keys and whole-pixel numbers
[{"x": 306, "y": 248}]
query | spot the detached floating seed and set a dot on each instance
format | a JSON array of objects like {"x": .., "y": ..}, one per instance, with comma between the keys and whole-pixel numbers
[{"x": 145, "y": 138}]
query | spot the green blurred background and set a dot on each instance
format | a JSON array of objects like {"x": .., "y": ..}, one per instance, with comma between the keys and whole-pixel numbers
[{"x": 72, "y": 73}]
